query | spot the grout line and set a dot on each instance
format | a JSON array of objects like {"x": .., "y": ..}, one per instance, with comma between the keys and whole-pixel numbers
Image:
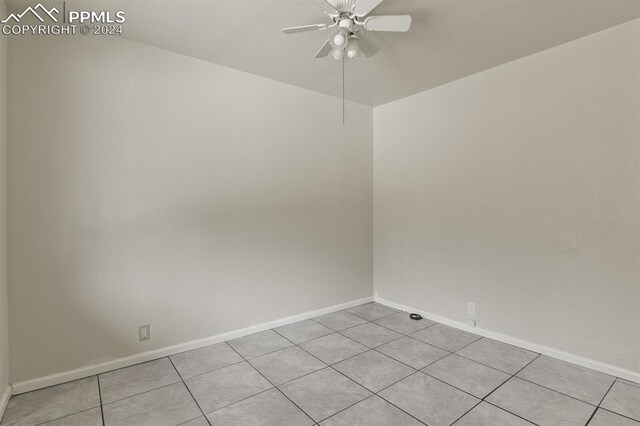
[
  {"x": 75, "y": 412},
  {"x": 63, "y": 417},
  {"x": 414, "y": 370},
  {"x": 337, "y": 331},
  {"x": 403, "y": 363},
  {"x": 240, "y": 400},
  {"x": 274, "y": 386},
  {"x": 466, "y": 412},
  {"x": 189, "y": 390},
  {"x": 406, "y": 315},
  {"x": 190, "y": 420},
  {"x": 355, "y": 403},
  {"x": 66, "y": 383},
  {"x": 338, "y": 412},
  {"x": 374, "y": 349},
  {"x": 253, "y": 357},
  {"x": 601, "y": 401},
  {"x": 556, "y": 391},
  {"x": 297, "y": 406},
  {"x": 351, "y": 380},
  {"x": 211, "y": 371},
  {"x": 496, "y": 388},
  {"x": 449, "y": 384},
  {"x": 448, "y": 350},
  {"x": 545, "y": 387},
  {"x": 142, "y": 393},
  {"x": 513, "y": 414},
  {"x": 512, "y": 376},
  {"x": 503, "y": 383},
  {"x": 618, "y": 414},
  {"x": 486, "y": 365},
  {"x": 607, "y": 393},
  {"x": 397, "y": 381},
  {"x": 375, "y": 319},
  {"x": 100, "y": 395},
  {"x": 339, "y": 372},
  {"x": 115, "y": 369},
  {"x": 389, "y": 402}
]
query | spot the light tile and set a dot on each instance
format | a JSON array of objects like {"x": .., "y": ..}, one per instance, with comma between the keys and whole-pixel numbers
[
  {"x": 373, "y": 411},
  {"x": 444, "y": 337},
  {"x": 333, "y": 348},
  {"x": 373, "y": 370},
  {"x": 91, "y": 417},
  {"x": 570, "y": 379},
  {"x": 386, "y": 306},
  {"x": 485, "y": 414},
  {"x": 629, "y": 382},
  {"x": 170, "y": 405},
  {"x": 469, "y": 376},
  {"x": 412, "y": 352},
  {"x": 203, "y": 360},
  {"x": 401, "y": 323},
  {"x": 371, "y": 311},
  {"x": 286, "y": 364},
  {"x": 429, "y": 400},
  {"x": 340, "y": 320},
  {"x": 258, "y": 344},
  {"x": 269, "y": 408},
  {"x": 324, "y": 393},
  {"x": 607, "y": 418},
  {"x": 623, "y": 398},
  {"x": 52, "y": 403},
  {"x": 225, "y": 386},
  {"x": 371, "y": 334},
  {"x": 129, "y": 381},
  {"x": 498, "y": 355},
  {"x": 303, "y": 331},
  {"x": 540, "y": 405}
]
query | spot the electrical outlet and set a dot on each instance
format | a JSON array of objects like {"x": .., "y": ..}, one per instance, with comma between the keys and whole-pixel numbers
[
  {"x": 144, "y": 332},
  {"x": 471, "y": 309}
]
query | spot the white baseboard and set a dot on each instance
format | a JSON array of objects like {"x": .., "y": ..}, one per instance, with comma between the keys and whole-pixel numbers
[
  {"x": 4, "y": 400},
  {"x": 545, "y": 350},
  {"x": 67, "y": 376}
]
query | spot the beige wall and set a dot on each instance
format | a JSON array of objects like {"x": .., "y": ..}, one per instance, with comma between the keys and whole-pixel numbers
[
  {"x": 4, "y": 314},
  {"x": 519, "y": 189},
  {"x": 150, "y": 187}
]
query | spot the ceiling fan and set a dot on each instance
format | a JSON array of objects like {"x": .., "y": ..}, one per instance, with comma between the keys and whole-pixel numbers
[{"x": 350, "y": 20}]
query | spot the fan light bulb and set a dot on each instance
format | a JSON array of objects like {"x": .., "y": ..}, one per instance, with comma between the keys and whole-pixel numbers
[
  {"x": 339, "y": 40},
  {"x": 337, "y": 53},
  {"x": 353, "y": 48}
]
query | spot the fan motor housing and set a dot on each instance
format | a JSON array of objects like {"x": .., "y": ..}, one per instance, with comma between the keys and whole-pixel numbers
[{"x": 346, "y": 23}]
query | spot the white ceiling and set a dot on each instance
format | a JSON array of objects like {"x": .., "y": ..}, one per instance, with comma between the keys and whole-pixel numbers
[{"x": 449, "y": 39}]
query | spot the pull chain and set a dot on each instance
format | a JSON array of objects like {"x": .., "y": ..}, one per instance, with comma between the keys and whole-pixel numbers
[{"x": 343, "y": 89}]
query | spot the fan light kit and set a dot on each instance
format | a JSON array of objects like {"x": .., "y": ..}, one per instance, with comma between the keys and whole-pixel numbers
[{"x": 349, "y": 18}]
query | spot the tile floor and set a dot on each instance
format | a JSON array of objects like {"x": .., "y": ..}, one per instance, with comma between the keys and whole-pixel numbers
[{"x": 368, "y": 365}]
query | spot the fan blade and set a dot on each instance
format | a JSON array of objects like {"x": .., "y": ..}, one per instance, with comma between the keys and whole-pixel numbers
[
  {"x": 304, "y": 28},
  {"x": 400, "y": 23},
  {"x": 326, "y": 6},
  {"x": 363, "y": 7},
  {"x": 367, "y": 46},
  {"x": 324, "y": 50}
]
